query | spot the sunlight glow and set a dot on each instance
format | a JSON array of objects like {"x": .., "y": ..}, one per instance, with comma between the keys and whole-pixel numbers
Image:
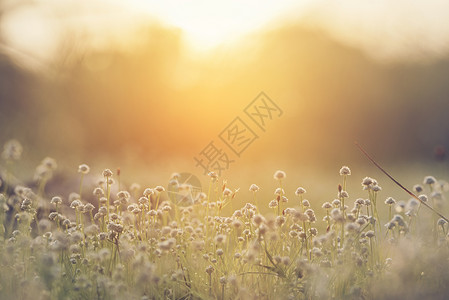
[{"x": 207, "y": 24}]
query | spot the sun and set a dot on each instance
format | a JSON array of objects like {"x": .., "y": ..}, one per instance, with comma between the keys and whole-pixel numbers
[{"x": 207, "y": 24}]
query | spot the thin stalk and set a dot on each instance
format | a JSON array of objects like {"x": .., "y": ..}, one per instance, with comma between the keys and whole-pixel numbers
[{"x": 400, "y": 185}]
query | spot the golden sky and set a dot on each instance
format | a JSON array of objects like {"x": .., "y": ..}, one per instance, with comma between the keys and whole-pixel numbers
[{"x": 384, "y": 29}]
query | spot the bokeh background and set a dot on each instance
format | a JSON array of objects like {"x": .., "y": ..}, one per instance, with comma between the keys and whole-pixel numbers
[{"x": 146, "y": 85}]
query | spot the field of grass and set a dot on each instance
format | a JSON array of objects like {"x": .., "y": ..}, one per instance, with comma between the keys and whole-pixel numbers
[{"x": 120, "y": 241}]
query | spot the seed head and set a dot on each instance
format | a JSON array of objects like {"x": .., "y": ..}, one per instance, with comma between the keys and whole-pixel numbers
[
  {"x": 159, "y": 189},
  {"x": 89, "y": 207},
  {"x": 370, "y": 234},
  {"x": 279, "y": 191},
  {"x": 441, "y": 222},
  {"x": 390, "y": 201},
  {"x": 254, "y": 188},
  {"x": 273, "y": 203},
  {"x": 417, "y": 188},
  {"x": 98, "y": 192},
  {"x": 227, "y": 192},
  {"x": 344, "y": 171},
  {"x": 300, "y": 190},
  {"x": 429, "y": 180},
  {"x": 148, "y": 192},
  {"x": 83, "y": 169},
  {"x": 343, "y": 194},
  {"x": 279, "y": 175},
  {"x": 75, "y": 203},
  {"x": 12, "y": 150},
  {"x": 56, "y": 200},
  {"x": 213, "y": 176},
  {"x": 107, "y": 173},
  {"x": 327, "y": 205},
  {"x": 336, "y": 202},
  {"x": 220, "y": 238}
]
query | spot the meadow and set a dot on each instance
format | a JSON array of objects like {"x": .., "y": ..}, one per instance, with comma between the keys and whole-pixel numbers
[{"x": 116, "y": 240}]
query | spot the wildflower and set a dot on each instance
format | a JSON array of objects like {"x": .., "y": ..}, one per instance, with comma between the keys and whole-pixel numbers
[
  {"x": 279, "y": 191},
  {"x": 220, "y": 238},
  {"x": 336, "y": 215},
  {"x": 12, "y": 150},
  {"x": 123, "y": 194},
  {"x": 107, "y": 173},
  {"x": 313, "y": 231},
  {"x": 159, "y": 189},
  {"x": 210, "y": 269},
  {"x": 219, "y": 252},
  {"x": 412, "y": 204},
  {"x": 42, "y": 173},
  {"x": 306, "y": 203},
  {"x": 148, "y": 192},
  {"x": 423, "y": 198},
  {"x": 279, "y": 175},
  {"x": 213, "y": 176},
  {"x": 56, "y": 200},
  {"x": 103, "y": 200},
  {"x": 114, "y": 227},
  {"x": 327, "y": 205},
  {"x": 300, "y": 191},
  {"x": 417, "y": 188},
  {"x": 436, "y": 195},
  {"x": 343, "y": 194},
  {"x": 102, "y": 211},
  {"x": 429, "y": 180},
  {"x": 352, "y": 227},
  {"x": 73, "y": 197},
  {"x": 75, "y": 204},
  {"x": 254, "y": 188},
  {"x": 273, "y": 204},
  {"x": 227, "y": 192},
  {"x": 336, "y": 202},
  {"x": 376, "y": 188},
  {"x": 280, "y": 220},
  {"x": 49, "y": 163},
  {"x": 89, "y": 207},
  {"x": 237, "y": 224},
  {"x": 361, "y": 221},
  {"x": 367, "y": 181},
  {"x": 390, "y": 201},
  {"x": 441, "y": 222},
  {"x": 300, "y": 217},
  {"x": 370, "y": 234},
  {"x": 399, "y": 220},
  {"x": 83, "y": 169},
  {"x": 258, "y": 219},
  {"x": 98, "y": 192},
  {"x": 345, "y": 171},
  {"x": 223, "y": 280}
]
